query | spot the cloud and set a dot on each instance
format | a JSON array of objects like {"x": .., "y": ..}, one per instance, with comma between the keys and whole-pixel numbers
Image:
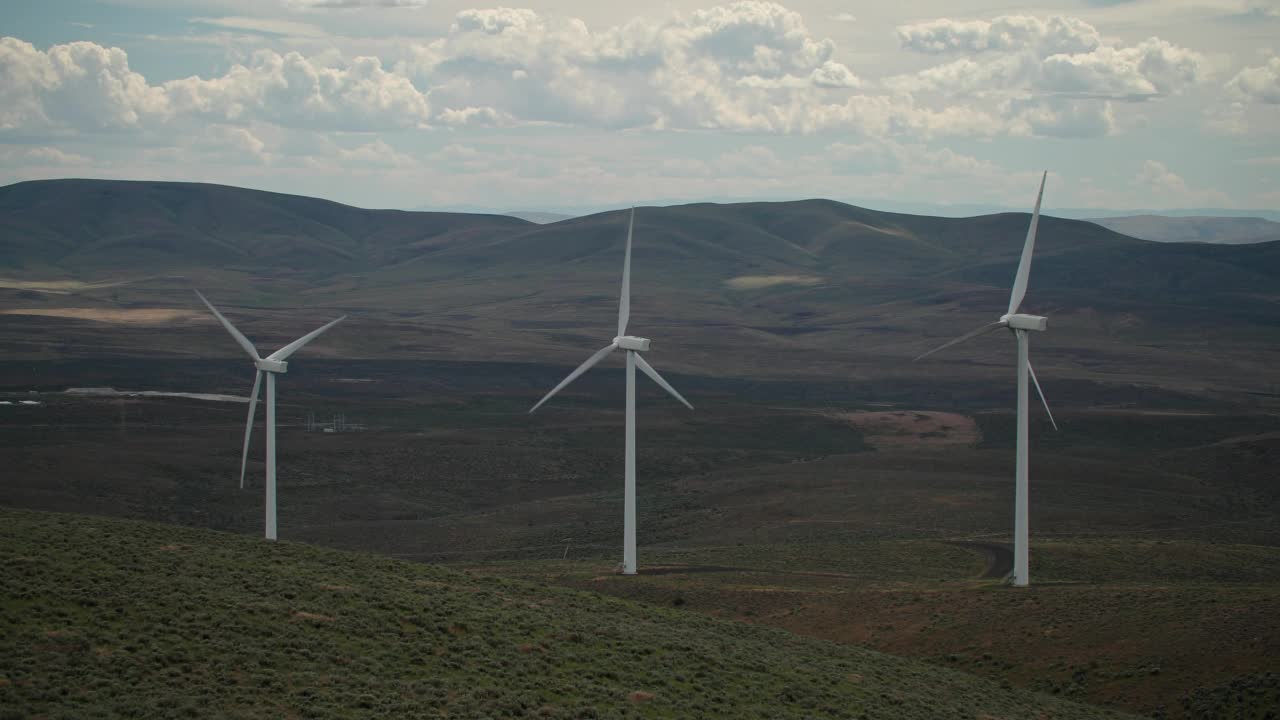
[
  {"x": 1055, "y": 77},
  {"x": 41, "y": 156},
  {"x": 872, "y": 168},
  {"x": 1060, "y": 55},
  {"x": 79, "y": 85},
  {"x": 473, "y": 117},
  {"x": 1060, "y": 117},
  {"x": 1156, "y": 175},
  {"x": 86, "y": 87},
  {"x": 1261, "y": 9},
  {"x": 377, "y": 154},
  {"x": 749, "y": 65},
  {"x": 752, "y": 161},
  {"x": 833, "y": 75},
  {"x": 355, "y": 4},
  {"x": 240, "y": 142},
  {"x": 1156, "y": 178},
  {"x": 262, "y": 148},
  {"x": 894, "y": 158},
  {"x": 296, "y": 91},
  {"x": 1227, "y": 119},
  {"x": 1258, "y": 84},
  {"x": 269, "y": 26},
  {"x": 1009, "y": 33},
  {"x": 1151, "y": 68}
]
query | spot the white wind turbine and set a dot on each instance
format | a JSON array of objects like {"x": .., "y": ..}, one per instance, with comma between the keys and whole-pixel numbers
[
  {"x": 634, "y": 346},
  {"x": 270, "y": 366},
  {"x": 1019, "y": 325}
]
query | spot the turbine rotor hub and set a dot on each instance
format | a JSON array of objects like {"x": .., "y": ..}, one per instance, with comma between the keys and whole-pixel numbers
[
  {"x": 272, "y": 366},
  {"x": 629, "y": 342},
  {"x": 1034, "y": 323}
]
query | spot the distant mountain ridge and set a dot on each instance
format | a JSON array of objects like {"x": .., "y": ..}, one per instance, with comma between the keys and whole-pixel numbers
[
  {"x": 83, "y": 226},
  {"x": 536, "y": 216},
  {"x": 1224, "y": 230},
  {"x": 93, "y": 267},
  {"x": 950, "y": 210}
]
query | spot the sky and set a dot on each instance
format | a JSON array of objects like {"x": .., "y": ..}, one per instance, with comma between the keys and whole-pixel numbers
[{"x": 564, "y": 104}]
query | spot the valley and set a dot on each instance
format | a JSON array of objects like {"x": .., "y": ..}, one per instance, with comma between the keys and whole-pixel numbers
[{"x": 825, "y": 485}]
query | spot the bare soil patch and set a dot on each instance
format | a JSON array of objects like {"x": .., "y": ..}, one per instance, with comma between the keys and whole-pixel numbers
[
  {"x": 59, "y": 287},
  {"x": 141, "y": 316},
  {"x": 898, "y": 429},
  {"x": 757, "y": 282},
  {"x": 313, "y": 617}
]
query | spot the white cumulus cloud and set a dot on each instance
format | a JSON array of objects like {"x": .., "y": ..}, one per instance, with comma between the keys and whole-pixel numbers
[
  {"x": 76, "y": 86},
  {"x": 1059, "y": 55},
  {"x": 1259, "y": 84},
  {"x": 1172, "y": 190},
  {"x": 747, "y": 65},
  {"x": 84, "y": 86},
  {"x": 293, "y": 90},
  {"x": 1152, "y": 67},
  {"x": 41, "y": 156},
  {"x": 1060, "y": 117},
  {"x": 1053, "y": 76},
  {"x": 1009, "y": 33}
]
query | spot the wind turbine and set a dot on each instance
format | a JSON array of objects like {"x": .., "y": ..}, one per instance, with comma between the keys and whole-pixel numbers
[
  {"x": 634, "y": 346},
  {"x": 1020, "y": 325},
  {"x": 270, "y": 366}
]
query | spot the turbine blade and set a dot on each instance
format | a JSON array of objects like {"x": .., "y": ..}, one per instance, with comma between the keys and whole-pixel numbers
[
  {"x": 1024, "y": 265},
  {"x": 648, "y": 370},
  {"x": 962, "y": 338},
  {"x": 1040, "y": 392},
  {"x": 248, "y": 426},
  {"x": 244, "y": 341},
  {"x": 283, "y": 353},
  {"x": 624, "y": 304},
  {"x": 591, "y": 361}
]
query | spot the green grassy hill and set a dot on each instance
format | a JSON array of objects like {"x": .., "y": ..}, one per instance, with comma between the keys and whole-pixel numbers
[{"x": 106, "y": 618}]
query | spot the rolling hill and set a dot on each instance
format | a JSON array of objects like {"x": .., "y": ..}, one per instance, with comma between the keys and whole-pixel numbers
[
  {"x": 156, "y": 226},
  {"x": 812, "y": 288},
  {"x": 110, "y": 618},
  {"x": 81, "y": 226}
]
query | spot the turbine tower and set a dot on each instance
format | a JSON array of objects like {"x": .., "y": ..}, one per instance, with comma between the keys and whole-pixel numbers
[
  {"x": 1020, "y": 325},
  {"x": 634, "y": 346},
  {"x": 272, "y": 365}
]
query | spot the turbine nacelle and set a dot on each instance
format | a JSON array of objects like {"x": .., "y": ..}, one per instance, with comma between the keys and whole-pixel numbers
[
  {"x": 272, "y": 366},
  {"x": 629, "y": 342},
  {"x": 1034, "y": 323}
]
